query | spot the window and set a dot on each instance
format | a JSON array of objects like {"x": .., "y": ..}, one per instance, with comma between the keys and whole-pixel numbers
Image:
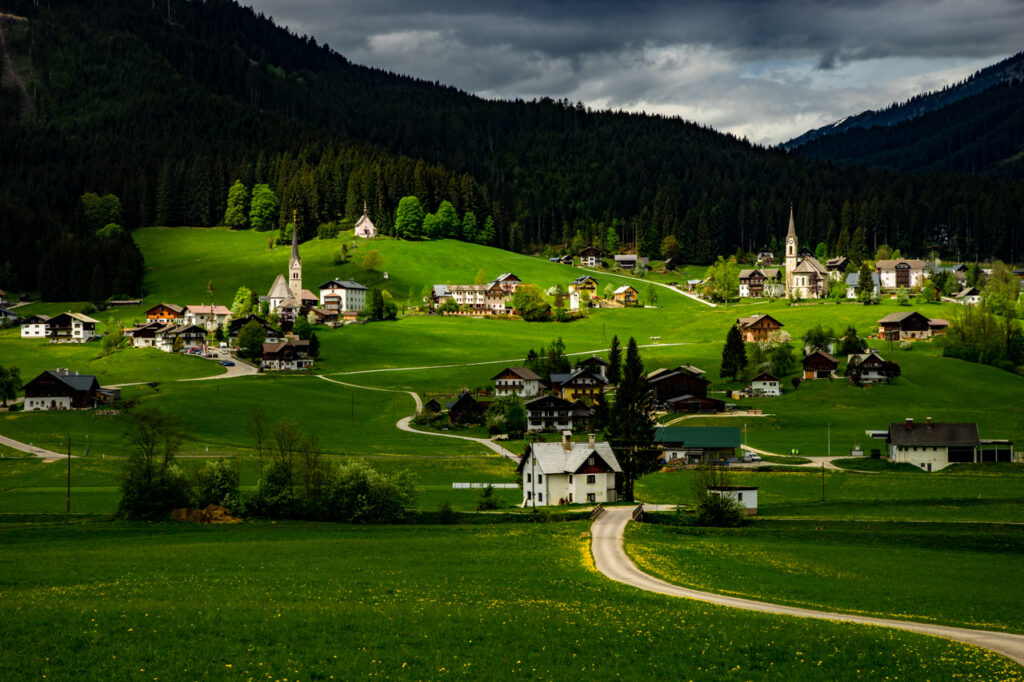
[
  {"x": 529, "y": 494},
  {"x": 591, "y": 497},
  {"x": 529, "y": 478},
  {"x": 570, "y": 479},
  {"x": 540, "y": 497},
  {"x": 590, "y": 461},
  {"x": 540, "y": 478},
  {"x": 570, "y": 498},
  {"x": 739, "y": 496},
  {"x": 591, "y": 478}
]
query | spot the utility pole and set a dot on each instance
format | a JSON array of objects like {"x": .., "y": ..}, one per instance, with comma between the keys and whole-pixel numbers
[
  {"x": 69, "y": 473},
  {"x": 829, "y": 440}
]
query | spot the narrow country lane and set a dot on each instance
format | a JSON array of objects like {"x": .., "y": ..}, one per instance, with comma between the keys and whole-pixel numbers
[{"x": 611, "y": 559}]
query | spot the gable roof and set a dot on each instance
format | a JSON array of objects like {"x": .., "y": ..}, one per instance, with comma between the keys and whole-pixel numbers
[
  {"x": 76, "y": 382},
  {"x": 583, "y": 278},
  {"x": 934, "y": 434},
  {"x": 822, "y": 354},
  {"x": 838, "y": 261},
  {"x": 465, "y": 401},
  {"x": 765, "y": 376},
  {"x": 507, "y": 277},
  {"x": 523, "y": 373},
  {"x": 623, "y": 289},
  {"x": 969, "y": 291},
  {"x": 350, "y": 284},
  {"x": 205, "y": 310},
  {"x": 810, "y": 264},
  {"x": 539, "y": 401},
  {"x": 553, "y": 458},
  {"x": 748, "y": 321},
  {"x": 854, "y": 359},
  {"x": 853, "y": 279},
  {"x": 562, "y": 378},
  {"x": 279, "y": 289},
  {"x": 900, "y": 317},
  {"x": 914, "y": 263},
  {"x": 170, "y": 306},
  {"x": 77, "y": 316},
  {"x": 699, "y": 436}
]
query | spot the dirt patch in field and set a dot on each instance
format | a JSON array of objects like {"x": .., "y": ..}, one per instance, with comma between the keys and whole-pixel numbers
[{"x": 212, "y": 514}]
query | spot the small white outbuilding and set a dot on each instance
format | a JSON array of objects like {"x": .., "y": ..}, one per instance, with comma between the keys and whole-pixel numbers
[{"x": 745, "y": 495}]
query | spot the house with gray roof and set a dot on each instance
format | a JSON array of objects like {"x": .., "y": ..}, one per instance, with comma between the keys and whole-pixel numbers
[
  {"x": 933, "y": 446},
  {"x": 853, "y": 284},
  {"x": 60, "y": 389},
  {"x": 568, "y": 472}
]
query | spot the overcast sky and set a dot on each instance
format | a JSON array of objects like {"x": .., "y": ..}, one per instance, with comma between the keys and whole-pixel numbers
[{"x": 765, "y": 69}]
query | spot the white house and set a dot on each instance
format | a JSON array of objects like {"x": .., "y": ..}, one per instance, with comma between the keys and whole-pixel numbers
[
  {"x": 765, "y": 384},
  {"x": 867, "y": 366},
  {"x": 341, "y": 296},
  {"x": 969, "y": 296},
  {"x": 590, "y": 257},
  {"x": 74, "y": 327},
  {"x": 207, "y": 316},
  {"x": 901, "y": 273},
  {"x": 519, "y": 381},
  {"x": 934, "y": 445},
  {"x": 365, "y": 227},
  {"x": 36, "y": 327},
  {"x": 568, "y": 472},
  {"x": 853, "y": 283},
  {"x": 285, "y": 355},
  {"x": 745, "y": 495}
]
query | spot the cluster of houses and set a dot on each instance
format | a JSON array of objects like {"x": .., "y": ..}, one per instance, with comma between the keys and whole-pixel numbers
[
  {"x": 593, "y": 257},
  {"x": 493, "y": 298}
]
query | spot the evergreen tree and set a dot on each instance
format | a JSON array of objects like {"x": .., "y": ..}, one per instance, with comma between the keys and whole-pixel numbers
[
  {"x": 236, "y": 215},
  {"x": 377, "y": 305},
  {"x": 615, "y": 362},
  {"x": 734, "y": 354},
  {"x": 631, "y": 428},
  {"x": 611, "y": 241}
]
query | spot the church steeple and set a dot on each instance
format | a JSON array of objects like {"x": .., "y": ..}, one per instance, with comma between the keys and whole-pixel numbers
[
  {"x": 295, "y": 263},
  {"x": 791, "y": 256}
]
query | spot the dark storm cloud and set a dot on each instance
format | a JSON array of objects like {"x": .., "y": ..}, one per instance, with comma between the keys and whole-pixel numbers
[{"x": 686, "y": 55}]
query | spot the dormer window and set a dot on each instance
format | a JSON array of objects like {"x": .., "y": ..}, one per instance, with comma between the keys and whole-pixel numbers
[{"x": 590, "y": 461}]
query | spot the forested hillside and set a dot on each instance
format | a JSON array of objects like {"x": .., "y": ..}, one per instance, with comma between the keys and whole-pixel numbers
[{"x": 166, "y": 104}]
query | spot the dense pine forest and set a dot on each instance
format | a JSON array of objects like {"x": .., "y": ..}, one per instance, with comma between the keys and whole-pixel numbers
[{"x": 166, "y": 104}]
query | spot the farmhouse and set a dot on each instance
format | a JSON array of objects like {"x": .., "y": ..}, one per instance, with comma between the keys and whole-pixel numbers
[
  {"x": 901, "y": 273},
  {"x": 820, "y": 365},
  {"x": 465, "y": 409},
  {"x": 869, "y": 368},
  {"x": 765, "y": 384},
  {"x": 485, "y": 299},
  {"x": 364, "y": 226},
  {"x": 285, "y": 355},
  {"x": 508, "y": 282},
  {"x": 206, "y": 316},
  {"x": 36, "y": 327},
  {"x": 568, "y": 472},
  {"x": 757, "y": 327},
  {"x": 432, "y": 406},
  {"x": 584, "y": 283},
  {"x": 235, "y": 327},
  {"x": 166, "y": 312},
  {"x": 697, "y": 444},
  {"x": 73, "y": 327},
  {"x": 162, "y": 335},
  {"x": 766, "y": 257},
  {"x": 340, "y": 296},
  {"x": 596, "y": 365},
  {"x": 61, "y": 390},
  {"x": 591, "y": 257},
  {"x": 626, "y": 295},
  {"x": 518, "y": 381},
  {"x": 682, "y": 389},
  {"x": 968, "y": 296},
  {"x": 761, "y": 282},
  {"x": 548, "y": 413},
  {"x": 805, "y": 276},
  {"x": 910, "y": 325},
  {"x": 853, "y": 284},
  {"x": 630, "y": 261},
  {"x": 579, "y": 383},
  {"x": 933, "y": 446},
  {"x": 836, "y": 267}
]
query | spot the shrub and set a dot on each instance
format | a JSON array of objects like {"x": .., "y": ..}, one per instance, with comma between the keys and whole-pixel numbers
[
  {"x": 363, "y": 495},
  {"x": 445, "y": 513},
  {"x": 486, "y": 499},
  {"x": 217, "y": 483},
  {"x": 714, "y": 509},
  {"x": 328, "y": 230}
]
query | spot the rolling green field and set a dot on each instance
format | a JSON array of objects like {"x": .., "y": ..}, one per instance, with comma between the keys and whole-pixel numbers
[
  {"x": 320, "y": 601},
  {"x": 954, "y": 574}
]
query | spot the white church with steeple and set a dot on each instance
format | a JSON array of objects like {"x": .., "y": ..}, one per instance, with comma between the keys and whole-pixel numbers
[
  {"x": 287, "y": 296},
  {"x": 805, "y": 276}
]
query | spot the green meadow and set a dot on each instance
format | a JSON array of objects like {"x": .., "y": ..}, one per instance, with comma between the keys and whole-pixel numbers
[
  {"x": 303, "y": 601},
  {"x": 907, "y": 571}
]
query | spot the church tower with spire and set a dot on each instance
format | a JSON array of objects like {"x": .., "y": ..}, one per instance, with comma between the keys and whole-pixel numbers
[
  {"x": 791, "y": 256},
  {"x": 295, "y": 266}
]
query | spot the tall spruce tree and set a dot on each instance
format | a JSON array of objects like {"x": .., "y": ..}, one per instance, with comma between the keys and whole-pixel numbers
[
  {"x": 734, "y": 354},
  {"x": 615, "y": 362},
  {"x": 631, "y": 427}
]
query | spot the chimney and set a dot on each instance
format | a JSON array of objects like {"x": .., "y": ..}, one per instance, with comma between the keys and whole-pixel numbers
[
  {"x": 590, "y": 439},
  {"x": 567, "y": 440},
  {"x": 910, "y": 423}
]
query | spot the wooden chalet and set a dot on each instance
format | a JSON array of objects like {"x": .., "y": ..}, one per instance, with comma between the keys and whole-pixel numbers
[
  {"x": 584, "y": 283},
  {"x": 286, "y": 355},
  {"x": 761, "y": 282},
  {"x": 836, "y": 267},
  {"x": 73, "y": 327},
  {"x": 820, "y": 365},
  {"x": 910, "y": 325},
  {"x": 548, "y": 413},
  {"x": 166, "y": 312},
  {"x": 596, "y": 365},
  {"x": 591, "y": 257},
  {"x": 235, "y": 327},
  {"x": 520, "y": 381},
  {"x": 579, "y": 383},
  {"x": 627, "y": 296},
  {"x": 629, "y": 261},
  {"x": 682, "y": 389},
  {"x": 868, "y": 368},
  {"x": 465, "y": 410},
  {"x": 508, "y": 282},
  {"x": 432, "y": 406},
  {"x": 61, "y": 390},
  {"x": 757, "y": 327}
]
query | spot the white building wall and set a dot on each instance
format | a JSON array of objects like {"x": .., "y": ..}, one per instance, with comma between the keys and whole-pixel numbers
[
  {"x": 921, "y": 457},
  {"x": 34, "y": 331},
  {"x": 58, "y": 403},
  {"x": 769, "y": 388}
]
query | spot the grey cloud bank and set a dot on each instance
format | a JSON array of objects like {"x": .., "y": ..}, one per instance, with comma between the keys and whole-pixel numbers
[{"x": 764, "y": 70}]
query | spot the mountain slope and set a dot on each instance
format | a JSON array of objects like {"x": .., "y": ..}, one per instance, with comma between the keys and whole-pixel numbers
[
  {"x": 167, "y": 114},
  {"x": 1009, "y": 70}
]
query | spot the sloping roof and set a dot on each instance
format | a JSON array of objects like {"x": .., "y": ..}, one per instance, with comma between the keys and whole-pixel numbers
[
  {"x": 506, "y": 276},
  {"x": 36, "y": 319},
  {"x": 854, "y": 359},
  {"x": 441, "y": 290},
  {"x": 899, "y": 317},
  {"x": 699, "y": 436},
  {"x": 969, "y": 291},
  {"x": 914, "y": 264},
  {"x": 205, "y": 310},
  {"x": 553, "y": 458},
  {"x": 279, "y": 289},
  {"x": 747, "y": 321},
  {"x": 936, "y": 434},
  {"x": 78, "y": 316},
  {"x": 822, "y": 354},
  {"x": 535, "y": 402},
  {"x": 76, "y": 382},
  {"x": 583, "y": 278},
  {"x": 624, "y": 289},
  {"x": 836, "y": 262},
  {"x": 170, "y": 306},
  {"x": 938, "y": 322},
  {"x": 352, "y": 284},
  {"x": 522, "y": 372},
  {"x": 765, "y": 376},
  {"x": 561, "y": 378},
  {"x": 810, "y": 264},
  {"x": 593, "y": 359},
  {"x": 853, "y": 279}
]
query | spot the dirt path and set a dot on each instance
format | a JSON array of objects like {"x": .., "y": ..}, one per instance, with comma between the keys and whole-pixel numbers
[
  {"x": 46, "y": 455},
  {"x": 10, "y": 78},
  {"x": 611, "y": 559}
]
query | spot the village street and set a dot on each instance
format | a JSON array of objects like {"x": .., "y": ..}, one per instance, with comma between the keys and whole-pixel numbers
[{"x": 611, "y": 559}]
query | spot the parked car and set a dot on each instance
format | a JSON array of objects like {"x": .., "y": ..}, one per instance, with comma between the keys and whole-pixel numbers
[
  {"x": 227, "y": 363},
  {"x": 751, "y": 457}
]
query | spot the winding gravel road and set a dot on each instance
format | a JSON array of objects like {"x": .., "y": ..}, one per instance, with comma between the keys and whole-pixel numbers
[{"x": 611, "y": 559}]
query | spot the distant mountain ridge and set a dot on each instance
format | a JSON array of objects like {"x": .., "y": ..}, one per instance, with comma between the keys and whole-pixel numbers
[{"x": 1010, "y": 70}]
